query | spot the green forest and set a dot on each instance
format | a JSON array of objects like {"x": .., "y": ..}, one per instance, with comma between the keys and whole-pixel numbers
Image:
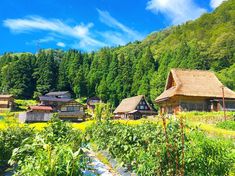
[{"x": 140, "y": 67}]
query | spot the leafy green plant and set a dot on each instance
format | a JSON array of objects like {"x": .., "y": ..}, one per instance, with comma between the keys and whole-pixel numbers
[
  {"x": 11, "y": 138},
  {"x": 56, "y": 150},
  {"x": 102, "y": 111},
  {"x": 228, "y": 124}
]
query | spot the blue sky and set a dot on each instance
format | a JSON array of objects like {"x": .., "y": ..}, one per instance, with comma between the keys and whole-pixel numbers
[{"x": 26, "y": 25}]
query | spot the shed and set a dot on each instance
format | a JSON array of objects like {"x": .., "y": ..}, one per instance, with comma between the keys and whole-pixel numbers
[{"x": 6, "y": 102}]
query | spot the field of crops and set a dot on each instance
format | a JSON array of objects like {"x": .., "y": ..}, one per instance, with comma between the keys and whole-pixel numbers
[
  {"x": 149, "y": 149},
  {"x": 179, "y": 146},
  {"x": 55, "y": 150}
]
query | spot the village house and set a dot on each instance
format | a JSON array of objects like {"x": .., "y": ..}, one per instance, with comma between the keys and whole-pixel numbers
[
  {"x": 55, "y": 99},
  {"x": 91, "y": 102},
  {"x": 194, "y": 90},
  {"x": 63, "y": 104},
  {"x": 54, "y": 102},
  {"x": 6, "y": 103},
  {"x": 134, "y": 108}
]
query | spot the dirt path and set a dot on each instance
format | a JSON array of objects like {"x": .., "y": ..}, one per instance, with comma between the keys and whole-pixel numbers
[{"x": 99, "y": 167}]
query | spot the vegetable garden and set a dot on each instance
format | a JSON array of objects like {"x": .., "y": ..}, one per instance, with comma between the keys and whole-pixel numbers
[
  {"x": 148, "y": 149},
  {"x": 56, "y": 150},
  {"x": 168, "y": 147}
]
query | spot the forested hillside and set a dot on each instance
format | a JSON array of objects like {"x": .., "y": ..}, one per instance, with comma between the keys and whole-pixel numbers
[{"x": 137, "y": 68}]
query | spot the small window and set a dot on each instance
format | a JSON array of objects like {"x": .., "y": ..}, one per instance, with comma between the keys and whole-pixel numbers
[
  {"x": 70, "y": 108},
  {"x": 76, "y": 108},
  {"x": 63, "y": 108}
]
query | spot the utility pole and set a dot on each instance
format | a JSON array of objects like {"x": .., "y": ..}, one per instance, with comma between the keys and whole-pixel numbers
[{"x": 223, "y": 103}]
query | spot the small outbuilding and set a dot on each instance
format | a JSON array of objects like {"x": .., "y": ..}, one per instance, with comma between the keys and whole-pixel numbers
[
  {"x": 91, "y": 102},
  {"x": 6, "y": 103},
  {"x": 194, "y": 90},
  {"x": 37, "y": 108},
  {"x": 134, "y": 108}
]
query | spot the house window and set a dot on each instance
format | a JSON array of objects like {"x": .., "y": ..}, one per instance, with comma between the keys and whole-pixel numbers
[
  {"x": 230, "y": 105},
  {"x": 191, "y": 106},
  {"x": 76, "y": 108},
  {"x": 70, "y": 108},
  {"x": 63, "y": 108},
  {"x": 141, "y": 107}
]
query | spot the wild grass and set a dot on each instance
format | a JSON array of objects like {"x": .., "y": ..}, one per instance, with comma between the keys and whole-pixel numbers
[
  {"x": 206, "y": 117},
  {"x": 214, "y": 131},
  {"x": 228, "y": 125}
]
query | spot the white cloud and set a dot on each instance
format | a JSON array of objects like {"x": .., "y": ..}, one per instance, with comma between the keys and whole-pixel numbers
[
  {"x": 82, "y": 34},
  {"x": 178, "y": 11},
  {"x": 45, "y": 39},
  {"x": 215, "y": 3},
  {"x": 121, "y": 34},
  {"x": 107, "y": 19},
  {"x": 31, "y": 23},
  {"x": 115, "y": 38},
  {"x": 41, "y": 40},
  {"x": 60, "y": 44}
]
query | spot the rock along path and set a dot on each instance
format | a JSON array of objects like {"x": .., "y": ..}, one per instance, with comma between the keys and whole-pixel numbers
[{"x": 99, "y": 167}]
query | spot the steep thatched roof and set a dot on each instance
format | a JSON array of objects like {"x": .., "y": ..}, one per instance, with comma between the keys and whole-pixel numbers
[
  {"x": 198, "y": 83},
  {"x": 128, "y": 104}
]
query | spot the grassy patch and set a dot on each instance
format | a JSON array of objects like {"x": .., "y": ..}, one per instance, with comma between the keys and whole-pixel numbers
[
  {"x": 228, "y": 124},
  {"x": 4, "y": 123},
  {"x": 207, "y": 117},
  {"x": 82, "y": 126},
  {"x": 212, "y": 130},
  {"x": 38, "y": 126}
]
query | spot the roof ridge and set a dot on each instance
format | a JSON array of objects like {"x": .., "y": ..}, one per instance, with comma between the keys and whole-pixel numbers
[
  {"x": 188, "y": 69},
  {"x": 133, "y": 97},
  {"x": 176, "y": 79}
]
